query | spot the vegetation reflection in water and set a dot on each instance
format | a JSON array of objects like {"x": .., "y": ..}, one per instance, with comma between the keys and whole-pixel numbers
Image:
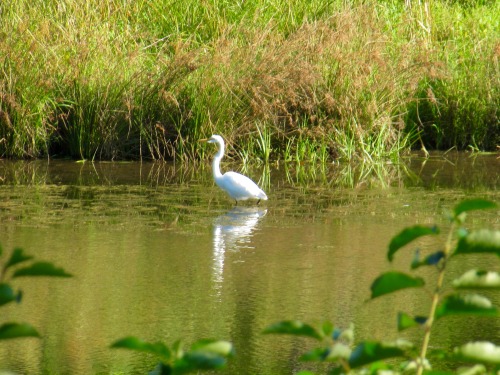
[
  {"x": 163, "y": 195},
  {"x": 456, "y": 169},
  {"x": 262, "y": 269}
]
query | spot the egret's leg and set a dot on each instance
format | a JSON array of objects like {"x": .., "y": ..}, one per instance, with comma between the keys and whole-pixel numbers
[
  {"x": 236, "y": 202},
  {"x": 258, "y": 202}
]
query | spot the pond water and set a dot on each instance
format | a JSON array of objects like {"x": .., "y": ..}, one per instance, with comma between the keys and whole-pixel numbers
[{"x": 158, "y": 252}]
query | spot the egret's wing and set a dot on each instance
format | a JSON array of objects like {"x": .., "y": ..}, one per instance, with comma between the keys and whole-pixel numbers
[{"x": 239, "y": 186}]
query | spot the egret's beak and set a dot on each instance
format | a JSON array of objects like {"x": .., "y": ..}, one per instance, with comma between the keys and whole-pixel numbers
[{"x": 203, "y": 140}]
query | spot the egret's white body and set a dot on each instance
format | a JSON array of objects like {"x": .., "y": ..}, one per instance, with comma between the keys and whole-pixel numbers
[{"x": 239, "y": 187}]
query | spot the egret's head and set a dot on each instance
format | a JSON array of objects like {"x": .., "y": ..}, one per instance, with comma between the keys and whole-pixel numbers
[
  {"x": 218, "y": 140},
  {"x": 215, "y": 139}
]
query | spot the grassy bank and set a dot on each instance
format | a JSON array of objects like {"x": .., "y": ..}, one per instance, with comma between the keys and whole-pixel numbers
[{"x": 280, "y": 80}]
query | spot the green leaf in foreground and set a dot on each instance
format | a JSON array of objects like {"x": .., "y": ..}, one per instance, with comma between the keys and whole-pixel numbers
[
  {"x": 470, "y": 304},
  {"x": 408, "y": 235},
  {"x": 478, "y": 279},
  {"x": 482, "y": 351},
  {"x": 221, "y": 347},
  {"x": 133, "y": 343},
  {"x": 368, "y": 352},
  {"x": 294, "y": 327},
  {"x": 406, "y": 321},
  {"x": 204, "y": 355},
  {"x": 346, "y": 335},
  {"x": 393, "y": 281},
  {"x": 193, "y": 361},
  {"x": 17, "y": 257},
  {"x": 7, "y": 294},
  {"x": 430, "y": 260},
  {"x": 327, "y": 329},
  {"x": 17, "y": 330},
  {"x": 315, "y": 355},
  {"x": 480, "y": 241},
  {"x": 333, "y": 353},
  {"x": 472, "y": 204},
  {"x": 41, "y": 269}
]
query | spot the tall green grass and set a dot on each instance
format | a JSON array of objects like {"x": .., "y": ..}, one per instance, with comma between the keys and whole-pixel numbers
[
  {"x": 305, "y": 81},
  {"x": 457, "y": 103}
]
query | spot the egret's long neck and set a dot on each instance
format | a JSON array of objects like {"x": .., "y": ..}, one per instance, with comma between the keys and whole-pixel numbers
[{"x": 216, "y": 162}]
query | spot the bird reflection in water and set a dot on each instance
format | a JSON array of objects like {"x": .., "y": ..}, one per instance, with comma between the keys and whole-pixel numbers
[{"x": 233, "y": 231}]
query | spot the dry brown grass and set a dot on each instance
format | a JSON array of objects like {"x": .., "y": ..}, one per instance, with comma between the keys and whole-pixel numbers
[{"x": 338, "y": 75}]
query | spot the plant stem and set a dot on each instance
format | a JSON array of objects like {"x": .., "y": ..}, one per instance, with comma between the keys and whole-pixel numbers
[
  {"x": 435, "y": 301},
  {"x": 345, "y": 365}
]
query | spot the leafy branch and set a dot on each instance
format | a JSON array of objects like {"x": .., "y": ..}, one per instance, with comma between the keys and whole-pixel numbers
[
  {"x": 18, "y": 265},
  {"x": 458, "y": 241},
  {"x": 203, "y": 354}
]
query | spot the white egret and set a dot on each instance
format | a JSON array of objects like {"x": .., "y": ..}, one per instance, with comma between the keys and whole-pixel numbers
[{"x": 239, "y": 187}]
